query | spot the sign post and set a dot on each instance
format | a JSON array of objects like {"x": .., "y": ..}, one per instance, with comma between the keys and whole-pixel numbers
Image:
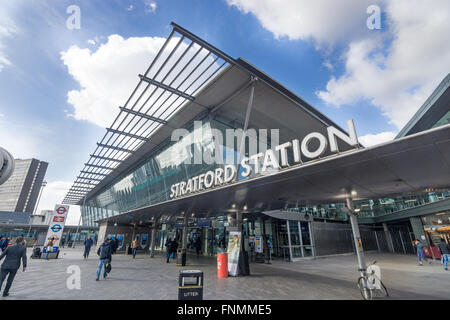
[{"x": 55, "y": 228}]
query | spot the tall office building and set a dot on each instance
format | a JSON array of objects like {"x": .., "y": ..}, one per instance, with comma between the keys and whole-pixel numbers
[{"x": 20, "y": 192}]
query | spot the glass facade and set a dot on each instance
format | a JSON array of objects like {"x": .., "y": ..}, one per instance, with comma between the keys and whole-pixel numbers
[{"x": 149, "y": 183}]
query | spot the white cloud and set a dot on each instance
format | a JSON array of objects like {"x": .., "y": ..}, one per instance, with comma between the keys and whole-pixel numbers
[
  {"x": 150, "y": 6},
  {"x": 130, "y": 8},
  {"x": 52, "y": 194},
  {"x": 7, "y": 30},
  {"x": 323, "y": 21},
  {"x": 92, "y": 42},
  {"x": 396, "y": 70},
  {"x": 109, "y": 75},
  {"x": 369, "y": 140}
]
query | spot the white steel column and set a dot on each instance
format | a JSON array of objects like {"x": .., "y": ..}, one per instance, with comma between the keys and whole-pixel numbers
[{"x": 357, "y": 237}]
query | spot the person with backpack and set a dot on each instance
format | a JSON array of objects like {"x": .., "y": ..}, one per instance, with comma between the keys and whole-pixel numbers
[
  {"x": 444, "y": 249},
  {"x": 9, "y": 268},
  {"x": 104, "y": 252},
  {"x": 87, "y": 247}
]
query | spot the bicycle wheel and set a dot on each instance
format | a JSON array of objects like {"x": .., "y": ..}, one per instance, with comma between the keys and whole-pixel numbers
[{"x": 365, "y": 291}]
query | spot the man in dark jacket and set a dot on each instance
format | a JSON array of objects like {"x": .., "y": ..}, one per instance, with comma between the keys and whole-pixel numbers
[
  {"x": 104, "y": 251},
  {"x": 87, "y": 246},
  {"x": 444, "y": 248},
  {"x": 114, "y": 244},
  {"x": 11, "y": 264}
]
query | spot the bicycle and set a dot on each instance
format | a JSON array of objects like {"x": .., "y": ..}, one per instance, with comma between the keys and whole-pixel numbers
[{"x": 367, "y": 284}]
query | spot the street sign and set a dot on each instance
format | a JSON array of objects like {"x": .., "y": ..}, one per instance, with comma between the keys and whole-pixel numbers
[{"x": 56, "y": 227}]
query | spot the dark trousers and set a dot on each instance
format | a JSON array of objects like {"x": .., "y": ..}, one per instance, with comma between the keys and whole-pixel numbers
[
  {"x": 86, "y": 251},
  {"x": 4, "y": 273}
]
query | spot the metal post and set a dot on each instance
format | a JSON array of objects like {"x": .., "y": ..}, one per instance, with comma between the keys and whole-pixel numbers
[
  {"x": 44, "y": 183},
  {"x": 357, "y": 237},
  {"x": 401, "y": 239},
  {"x": 289, "y": 240},
  {"x": 185, "y": 227},
  {"x": 152, "y": 240},
  {"x": 388, "y": 238},
  {"x": 301, "y": 238},
  {"x": 247, "y": 118},
  {"x": 376, "y": 239},
  {"x": 311, "y": 238},
  {"x": 79, "y": 221}
]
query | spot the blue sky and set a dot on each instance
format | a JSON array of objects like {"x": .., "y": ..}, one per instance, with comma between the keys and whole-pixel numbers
[{"x": 322, "y": 51}]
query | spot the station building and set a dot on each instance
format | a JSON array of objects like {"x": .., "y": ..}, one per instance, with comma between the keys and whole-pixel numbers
[{"x": 145, "y": 178}]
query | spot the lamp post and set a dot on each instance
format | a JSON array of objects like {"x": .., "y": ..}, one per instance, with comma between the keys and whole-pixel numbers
[
  {"x": 79, "y": 221},
  {"x": 44, "y": 183}
]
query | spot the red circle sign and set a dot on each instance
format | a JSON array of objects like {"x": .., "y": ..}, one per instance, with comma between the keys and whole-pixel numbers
[{"x": 61, "y": 210}]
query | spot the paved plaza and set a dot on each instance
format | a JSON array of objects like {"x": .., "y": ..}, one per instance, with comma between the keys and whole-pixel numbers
[{"x": 146, "y": 278}]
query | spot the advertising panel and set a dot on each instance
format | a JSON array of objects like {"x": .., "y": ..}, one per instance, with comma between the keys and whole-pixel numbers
[
  {"x": 234, "y": 246},
  {"x": 56, "y": 227}
]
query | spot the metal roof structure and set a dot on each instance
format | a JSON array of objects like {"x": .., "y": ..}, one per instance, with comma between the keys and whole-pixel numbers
[
  {"x": 435, "y": 107},
  {"x": 390, "y": 168},
  {"x": 182, "y": 68}
]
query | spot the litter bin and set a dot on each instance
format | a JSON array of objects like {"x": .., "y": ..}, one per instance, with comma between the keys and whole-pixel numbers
[
  {"x": 190, "y": 285},
  {"x": 222, "y": 265},
  {"x": 244, "y": 267},
  {"x": 181, "y": 257}
]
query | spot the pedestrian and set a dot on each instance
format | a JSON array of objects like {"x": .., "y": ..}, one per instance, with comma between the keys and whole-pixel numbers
[
  {"x": 198, "y": 246},
  {"x": 87, "y": 247},
  {"x": 116, "y": 244},
  {"x": 113, "y": 245},
  {"x": 11, "y": 264},
  {"x": 134, "y": 245},
  {"x": 174, "y": 247},
  {"x": 5, "y": 243},
  {"x": 420, "y": 255},
  {"x": 49, "y": 247},
  {"x": 168, "y": 245},
  {"x": 104, "y": 252},
  {"x": 444, "y": 249},
  {"x": 2, "y": 241}
]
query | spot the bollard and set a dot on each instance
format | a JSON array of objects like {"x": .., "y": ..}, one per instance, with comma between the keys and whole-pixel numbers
[{"x": 190, "y": 285}]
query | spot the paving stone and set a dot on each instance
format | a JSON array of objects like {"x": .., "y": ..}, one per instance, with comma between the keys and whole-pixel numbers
[{"x": 153, "y": 278}]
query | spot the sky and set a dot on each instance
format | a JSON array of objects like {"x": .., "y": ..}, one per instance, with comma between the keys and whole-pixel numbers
[{"x": 61, "y": 86}]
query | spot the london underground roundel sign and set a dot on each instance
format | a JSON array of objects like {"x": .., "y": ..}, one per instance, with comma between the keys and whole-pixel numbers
[
  {"x": 55, "y": 228},
  {"x": 61, "y": 210}
]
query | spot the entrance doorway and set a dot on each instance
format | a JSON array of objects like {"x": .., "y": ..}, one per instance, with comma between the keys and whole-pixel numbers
[{"x": 295, "y": 239}]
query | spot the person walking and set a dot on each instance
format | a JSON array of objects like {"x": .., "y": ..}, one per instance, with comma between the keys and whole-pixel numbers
[
  {"x": 168, "y": 245},
  {"x": 134, "y": 245},
  {"x": 49, "y": 247},
  {"x": 116, "y": 244},
  {"x": 104, "y": 252},
  {"x": 9, "y": 268},
  {"x": 2, "y": 242},
  {"x": 420, "y": 255},
  {"x": 444, "y": 249},
  {"x": 198, "y": 245},
  {"x": 87, "y": 247},
  {"x": 174, "y": 247}
]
